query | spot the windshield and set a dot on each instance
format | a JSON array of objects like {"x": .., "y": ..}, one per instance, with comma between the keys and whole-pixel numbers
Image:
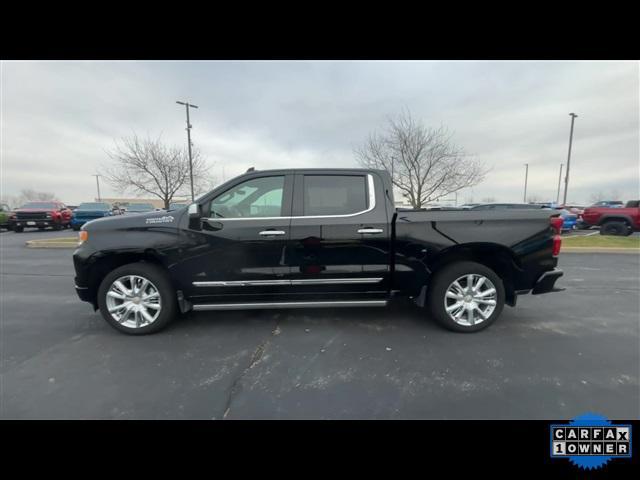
[
  {"x": 45, "y": 205},
  {"x": 140, "y": 207},
  {"x": 94, "y": 206}
]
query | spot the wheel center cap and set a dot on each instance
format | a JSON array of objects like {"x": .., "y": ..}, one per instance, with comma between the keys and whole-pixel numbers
[
  {"x": 467, "y": 298},
  {"x": 136, "y": 300}
]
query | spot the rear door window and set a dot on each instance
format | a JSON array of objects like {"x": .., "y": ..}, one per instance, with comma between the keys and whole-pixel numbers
[{"x": 334, "y": 194}]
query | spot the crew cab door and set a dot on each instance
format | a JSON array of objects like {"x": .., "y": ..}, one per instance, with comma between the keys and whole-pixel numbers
[
  {"x": 238, "y": 247},
  {"x": 340, "y": 235}
]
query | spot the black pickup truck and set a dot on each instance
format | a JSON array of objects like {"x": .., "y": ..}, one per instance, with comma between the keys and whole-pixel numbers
[{"x": 313, "y": 238}]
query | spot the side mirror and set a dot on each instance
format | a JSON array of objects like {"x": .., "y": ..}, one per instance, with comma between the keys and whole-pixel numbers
[
  {"x": 194, "y": 211},
  {"x": 210, "y": 224}
]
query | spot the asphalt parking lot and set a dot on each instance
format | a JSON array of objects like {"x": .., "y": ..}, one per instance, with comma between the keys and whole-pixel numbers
[{"x": 552, "y": 357}]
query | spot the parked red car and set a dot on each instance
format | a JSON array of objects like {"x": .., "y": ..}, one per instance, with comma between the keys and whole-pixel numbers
[
  {"x": 40, "y": 215},
  {"x": 614, "y": 221}
]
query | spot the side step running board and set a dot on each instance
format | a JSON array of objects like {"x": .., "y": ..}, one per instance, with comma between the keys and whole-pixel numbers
[{"x": 260, "y": 305}]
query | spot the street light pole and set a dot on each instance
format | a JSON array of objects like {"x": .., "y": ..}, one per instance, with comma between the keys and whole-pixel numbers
[
  {"x": 188, "y": 105},
  {"x": 559, "y": 182},
  {"x": 526, "y": 177},
  {"x": 566, "y": 178},
  {"x": 393, "y": 161},
  {"x": 97, "y": 184}
]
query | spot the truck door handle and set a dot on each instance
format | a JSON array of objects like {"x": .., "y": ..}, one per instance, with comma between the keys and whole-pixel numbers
[
  {"x": 269, "y": 233},
  {"x": 370, "y": 231}
]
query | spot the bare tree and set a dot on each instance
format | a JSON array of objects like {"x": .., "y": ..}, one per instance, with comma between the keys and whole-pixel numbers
[
  {"x": 149, "y": 166},
  {"x": 596, "y": 197},
  {"x": 28, "y": 195},
  {"x": 424, "y": 162},
  {"x": 614, "y": 194}
]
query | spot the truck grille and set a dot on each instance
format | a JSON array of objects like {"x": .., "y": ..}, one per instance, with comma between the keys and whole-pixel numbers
[{"x": 31, "y": 215}]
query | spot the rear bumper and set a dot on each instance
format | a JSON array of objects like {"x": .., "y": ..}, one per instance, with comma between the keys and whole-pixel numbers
[{"x": 546, "y": 282}]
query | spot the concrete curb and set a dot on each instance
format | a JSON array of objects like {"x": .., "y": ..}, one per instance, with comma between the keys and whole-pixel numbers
[
  {"x": 50, "y": 244},
  {"x": 599, "y": 250}
]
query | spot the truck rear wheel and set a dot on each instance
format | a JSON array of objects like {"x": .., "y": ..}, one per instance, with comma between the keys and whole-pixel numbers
[
  {"x": 617, "y": 228},
  {"x": 137, "y": 299},
  {"x": 465, "y": 296}
]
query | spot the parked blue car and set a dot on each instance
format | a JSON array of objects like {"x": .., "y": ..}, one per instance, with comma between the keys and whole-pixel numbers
[
  {"x": 570, "y": 220},
  {"x": 89, "y": 211}
]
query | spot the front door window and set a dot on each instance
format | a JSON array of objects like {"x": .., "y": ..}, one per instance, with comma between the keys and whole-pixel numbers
[{"x": 255, "y": 198}]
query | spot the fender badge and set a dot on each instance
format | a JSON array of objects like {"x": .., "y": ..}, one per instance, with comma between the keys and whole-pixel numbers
[{"x": 165, "y": 219}]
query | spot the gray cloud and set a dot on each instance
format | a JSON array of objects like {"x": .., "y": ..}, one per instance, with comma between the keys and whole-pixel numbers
[{"x": 59, "y": 117}]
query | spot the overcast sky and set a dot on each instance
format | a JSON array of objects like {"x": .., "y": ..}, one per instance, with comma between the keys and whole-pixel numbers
[{"x": 58, "y": 118}]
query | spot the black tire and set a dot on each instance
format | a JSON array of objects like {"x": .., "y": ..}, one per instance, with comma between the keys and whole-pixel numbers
[
  {"x": 159, "y": 278},
  {"x": 441, "y": 281},
  {"x": 18, "y": 229},
  {"x": 57, "y": 226},
  {"x": 76, "y": 228},
  {"x": 616, "y": 228}
]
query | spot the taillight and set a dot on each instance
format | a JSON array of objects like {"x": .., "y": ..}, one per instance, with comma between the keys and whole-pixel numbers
[
  {"x": 83, "y": 236},
  {"x": 556, "y": 223},
  {"x": 557, "y": 243}
]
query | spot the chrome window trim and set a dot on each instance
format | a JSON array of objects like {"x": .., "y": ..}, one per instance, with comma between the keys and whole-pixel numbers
[
  {"x": 302, "y": 281},
  {"x": 372, "y": 205}
]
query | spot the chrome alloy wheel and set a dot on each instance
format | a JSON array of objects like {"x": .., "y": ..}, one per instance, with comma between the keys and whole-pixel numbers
[
  {"x": 133, "y": 301},
  {"x": 470, "y": 299}
]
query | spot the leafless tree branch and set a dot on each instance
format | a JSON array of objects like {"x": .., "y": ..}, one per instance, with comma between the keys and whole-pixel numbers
[
  {"x": 144, "y": 165},
  {"x": 426, "y": 163}
]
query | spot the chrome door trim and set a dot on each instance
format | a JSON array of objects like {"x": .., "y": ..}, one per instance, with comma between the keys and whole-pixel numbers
[
  {"x": 302, "y": 281},
  {"x": 372, "y": 205},
  {"x": 334, "y": 281},
  {"x": 302, "y": 304},
  {"x": 269, "y": 233},
  {"x": 370, "y": 231},
  {"x": 241, "y": 283}
]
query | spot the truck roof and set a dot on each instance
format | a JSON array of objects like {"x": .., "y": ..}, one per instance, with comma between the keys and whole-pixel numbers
[{"x": 318, "y": 170}]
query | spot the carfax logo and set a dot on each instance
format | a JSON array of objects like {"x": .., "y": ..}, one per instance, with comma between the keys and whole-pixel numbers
[
  {"x": 165, "y": 219},
  {"x": 590, "y": 441}
]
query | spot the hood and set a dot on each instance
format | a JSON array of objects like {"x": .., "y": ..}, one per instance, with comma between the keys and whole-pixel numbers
[
  {"x": 139, "y": 220},
  {"x": 34, "y": 210}
]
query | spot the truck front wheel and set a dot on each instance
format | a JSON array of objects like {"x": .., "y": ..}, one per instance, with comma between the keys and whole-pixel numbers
[
  {"x": 465, "y": 296},
  {"x": 137, "y": 299}
]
